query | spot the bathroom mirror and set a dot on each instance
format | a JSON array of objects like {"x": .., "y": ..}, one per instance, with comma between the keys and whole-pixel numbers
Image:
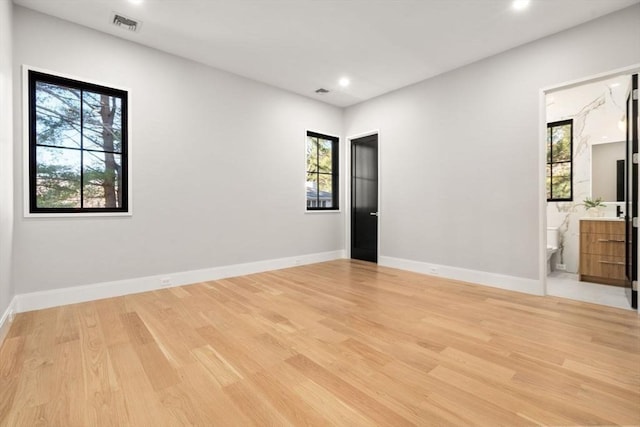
[{"x": 607, "y": 172}]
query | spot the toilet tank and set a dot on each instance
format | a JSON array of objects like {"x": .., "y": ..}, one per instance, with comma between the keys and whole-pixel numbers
[{"x": 552, "y": 237}]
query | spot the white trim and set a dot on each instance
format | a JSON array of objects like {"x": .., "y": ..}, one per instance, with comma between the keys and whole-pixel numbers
[
  {"x": 320, "y": 211},
  {"x": 7, "y": 319},
  {"x": 542, "y": 155},
  {"x": 542, "y": 191},
  {"x": 72, "y": 295},
  {"x": 347, "y": 188},
  {"x": 495, "y": 280},
  {"x": 25, "y": 147},
  {"x": 340, "y": 178},
  {"x": 631, "y": 69}
]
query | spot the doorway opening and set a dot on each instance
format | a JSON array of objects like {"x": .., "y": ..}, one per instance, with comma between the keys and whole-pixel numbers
[{"x": 589, "y": 184}]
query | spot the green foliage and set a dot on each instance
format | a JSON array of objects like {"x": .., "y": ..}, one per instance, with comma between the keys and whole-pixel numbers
[
  {"x": 57, "y": 187},
  {"x": 318, "y": 155},
  {"x": 319, "y": 163},
  {"x": 593, "y": 203},
  {"x": 559, "y": 158}
]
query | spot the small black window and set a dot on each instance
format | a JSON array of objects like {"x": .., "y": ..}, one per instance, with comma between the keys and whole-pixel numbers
[
  {"x": 77, "y": 146},
  {"x": 560, "y": 161},
  {"x": 322, "y": 172}
]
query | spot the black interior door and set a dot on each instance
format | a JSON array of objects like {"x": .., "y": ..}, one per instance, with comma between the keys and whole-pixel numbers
[
  {"x": 631, "y": 211},
  {"x": 364, "y": 198}
]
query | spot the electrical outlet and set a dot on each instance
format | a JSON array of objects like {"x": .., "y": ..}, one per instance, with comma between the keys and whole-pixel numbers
[
  {"x": 433, "y": 270},
  {"x": 166, "y": 281},
  {"x": 561, "y": 267}
]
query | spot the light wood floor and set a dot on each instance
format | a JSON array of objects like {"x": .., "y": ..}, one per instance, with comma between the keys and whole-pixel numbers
[{"x": 338, "y": 343}]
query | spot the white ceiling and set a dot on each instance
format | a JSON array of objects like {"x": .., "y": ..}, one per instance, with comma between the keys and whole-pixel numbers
[{"x": 302, "y": 45}]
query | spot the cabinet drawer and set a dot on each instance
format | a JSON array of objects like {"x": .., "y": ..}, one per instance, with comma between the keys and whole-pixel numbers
[
  {"x": 611, "y": 267},
  {"x": 602, "y": 227},
  {"x": 602, "y": 244}
]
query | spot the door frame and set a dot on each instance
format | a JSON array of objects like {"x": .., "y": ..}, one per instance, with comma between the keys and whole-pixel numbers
[
  {"x": 542, "y": 155},
  {"x": 347, "y": 189}
]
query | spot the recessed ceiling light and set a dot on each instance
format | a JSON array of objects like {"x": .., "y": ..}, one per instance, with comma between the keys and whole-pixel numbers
[
  {"x": 344, "y": 82},
  {"x": 136, "y": 1},
  {"x": 612, "y": 85},
  {"x": 520, "y": 4}
]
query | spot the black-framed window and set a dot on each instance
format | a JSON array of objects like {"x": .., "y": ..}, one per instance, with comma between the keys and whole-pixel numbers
[
  {"x": 560, "y": 161},
  {"x": 322, "y": 172},
  {"x": 77, "y": 146}
]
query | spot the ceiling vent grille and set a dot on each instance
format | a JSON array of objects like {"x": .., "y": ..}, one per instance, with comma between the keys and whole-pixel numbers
[
  {"x": 322, "y": 91},
  {"x": 125, "y": 23}
]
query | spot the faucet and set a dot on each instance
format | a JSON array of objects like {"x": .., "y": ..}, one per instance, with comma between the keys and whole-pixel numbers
[{"x": 619, "y": 212}]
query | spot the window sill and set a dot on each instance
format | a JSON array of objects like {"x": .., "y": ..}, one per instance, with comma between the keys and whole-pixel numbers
[
  {"x": 77, "y": 215},
  {"x": 319, "y": 211}
]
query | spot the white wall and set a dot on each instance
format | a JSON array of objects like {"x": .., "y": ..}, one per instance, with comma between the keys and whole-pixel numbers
[
  {"x": 218, "y": 173},
  {"x": 460, "y": 152},
  {"x": 6, "y": 157},
  {"x": 218, "y": 167}
]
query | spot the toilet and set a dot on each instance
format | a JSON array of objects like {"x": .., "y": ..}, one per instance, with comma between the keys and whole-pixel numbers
[{"x": 552, "y": 248}]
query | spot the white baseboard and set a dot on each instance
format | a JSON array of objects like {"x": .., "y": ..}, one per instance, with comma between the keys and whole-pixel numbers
[
  {"x": 512, "y": 283},
  {"x": 57, "y": 297},
  {"x": 7, "y": 319}
]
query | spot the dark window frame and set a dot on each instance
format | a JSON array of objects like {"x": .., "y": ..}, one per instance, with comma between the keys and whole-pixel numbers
[
  {"x": 35, "y": 77},
  {"x": 335, "y": 176},
  {"x": 550, "y": 162}
]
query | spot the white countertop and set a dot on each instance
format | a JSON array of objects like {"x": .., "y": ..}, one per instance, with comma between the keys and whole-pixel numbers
[{"x": 601, "y": 218}]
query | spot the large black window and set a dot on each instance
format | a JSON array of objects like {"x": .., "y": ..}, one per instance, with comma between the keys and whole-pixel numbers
[
  {"x": 322, "y": 172},
  {"x": 560, "y": 161},
  {"x": 77, "y": 146}
]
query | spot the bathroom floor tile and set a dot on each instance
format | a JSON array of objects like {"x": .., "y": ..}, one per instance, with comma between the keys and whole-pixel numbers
[{"x": 567, "y": 285}]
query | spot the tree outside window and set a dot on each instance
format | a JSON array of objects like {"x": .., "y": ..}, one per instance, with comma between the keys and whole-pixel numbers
[
  {"x": 78, "y": 146},
  {"x": 559, "y": 161},
  {"x": 322, "y": 172}
]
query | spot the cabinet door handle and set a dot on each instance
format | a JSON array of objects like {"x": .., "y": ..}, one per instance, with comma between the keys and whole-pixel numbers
[
  {"x": 611, "y": 240},
  {"x": 612, "y": 262}
]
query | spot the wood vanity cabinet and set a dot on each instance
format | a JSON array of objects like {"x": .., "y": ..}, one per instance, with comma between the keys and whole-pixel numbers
[{"x": 602, "y": 251}]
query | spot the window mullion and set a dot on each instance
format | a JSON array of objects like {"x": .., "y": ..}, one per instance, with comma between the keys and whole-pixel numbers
[
  {"x": 317, "y": 172},
  {"x": 81, "y": 149}
]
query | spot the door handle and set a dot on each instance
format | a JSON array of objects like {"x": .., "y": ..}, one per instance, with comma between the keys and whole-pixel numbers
[{"x": 373, "y": 213}]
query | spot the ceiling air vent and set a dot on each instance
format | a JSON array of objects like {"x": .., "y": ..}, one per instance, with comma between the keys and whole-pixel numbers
[
  {"x": 126, "y": 23},
  {"x": 322, "y": 91}
]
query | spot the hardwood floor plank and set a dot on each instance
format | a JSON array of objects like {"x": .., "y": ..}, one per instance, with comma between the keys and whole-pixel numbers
[
  {"x": 346, "y": 392},
  {"x": 344, "y": 343},
  {"x": 202, "y": 401},
  {"x": 286, "y": 401},
  {"x": 221, "y": 371},
  {"x": 245, "y": 396},
  {"x": 501, "y": 397},
  {"x": 143, "y": 404},
  {"x": 136, "y": 329},
  {"x": 71, "y": 381},
  {"x": 242, "y": 359},
  {"x": 10, "y": 367}
]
